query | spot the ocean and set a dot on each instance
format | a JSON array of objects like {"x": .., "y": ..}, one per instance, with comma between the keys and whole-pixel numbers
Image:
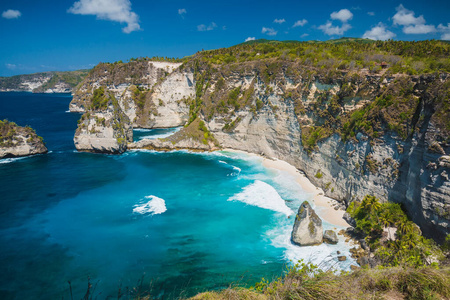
[{"x": 169, "y": 224}]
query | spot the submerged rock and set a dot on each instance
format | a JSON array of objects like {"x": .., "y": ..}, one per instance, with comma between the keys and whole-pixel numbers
[
  {"x": 307, "y": 227},
  {"x": 330, "y": 237},
  {"x": 342, "y": 258}
]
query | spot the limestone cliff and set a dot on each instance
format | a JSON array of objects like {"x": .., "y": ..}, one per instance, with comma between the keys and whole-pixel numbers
[
  {"x": 352, "y": 131},
  {"x": 16, "y": 141},
  {"x": 104, "y": 128}
]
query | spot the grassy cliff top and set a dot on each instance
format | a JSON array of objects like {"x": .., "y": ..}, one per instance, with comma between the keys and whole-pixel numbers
[{"x": 412, "y": 58}]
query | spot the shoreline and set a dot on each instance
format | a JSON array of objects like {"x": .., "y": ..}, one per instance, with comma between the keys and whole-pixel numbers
[{"x": 321, "y": 202}]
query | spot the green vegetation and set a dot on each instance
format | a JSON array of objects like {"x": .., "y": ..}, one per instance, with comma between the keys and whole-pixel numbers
[
  {"x": 306, "y": 281},
  {"x": 318, "y": 174},
  {"x": 196, "y": 131},
  {"x": 99, "y": 99},
  {"x": 345, "y": 54},
  {"x": 407, "y": 248}
]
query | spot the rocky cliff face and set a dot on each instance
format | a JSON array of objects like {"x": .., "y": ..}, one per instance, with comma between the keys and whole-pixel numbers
[
  {"x": 104, "y": 128},
  {"x": 18, "y": 141},
  {"x": 352, "y": 133},
  {"x": 47, "y": 82}
]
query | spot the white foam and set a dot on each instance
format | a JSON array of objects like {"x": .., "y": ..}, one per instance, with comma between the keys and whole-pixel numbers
[
  {"x": 154, "y": 206},
  {"x": 262, "y": 195},
  {"x": 10, "y": 160},
  {"x": 157, "y": 136},
  {"x": 237, "y": 169},
  {"x": 324, "y": 255}
]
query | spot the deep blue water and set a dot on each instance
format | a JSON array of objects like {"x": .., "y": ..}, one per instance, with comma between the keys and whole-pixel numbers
[{"x": 170, "y": 223}]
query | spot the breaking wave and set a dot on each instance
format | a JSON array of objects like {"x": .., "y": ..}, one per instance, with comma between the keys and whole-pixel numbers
[{"x": 262, "y": 195}]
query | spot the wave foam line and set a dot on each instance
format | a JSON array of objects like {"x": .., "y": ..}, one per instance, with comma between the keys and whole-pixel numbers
[
  {"x": 10, "y": 160},
  {"x": 262, "y": 195},
  {"x": 155, "y": 206}
]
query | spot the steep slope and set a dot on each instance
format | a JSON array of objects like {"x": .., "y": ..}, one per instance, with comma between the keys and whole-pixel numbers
[{"x": 354, "y": 123}]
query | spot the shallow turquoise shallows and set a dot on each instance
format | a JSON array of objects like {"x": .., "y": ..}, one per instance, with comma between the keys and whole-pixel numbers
[{"x": 169, "y": 223}]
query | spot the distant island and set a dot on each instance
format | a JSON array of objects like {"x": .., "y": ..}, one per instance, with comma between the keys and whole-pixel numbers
[{"x": 45, "y": 82}]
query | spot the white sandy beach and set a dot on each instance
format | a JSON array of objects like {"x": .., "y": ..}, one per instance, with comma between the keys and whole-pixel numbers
[{"x": 323, "y": 204}]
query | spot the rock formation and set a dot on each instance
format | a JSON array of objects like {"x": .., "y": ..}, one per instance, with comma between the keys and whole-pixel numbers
[
  {"x": 18, "y": 141},
  {"x": 104, "y": 128},
  {"x": 330, "y": 237},
  {"x": 307, "y": 227}
]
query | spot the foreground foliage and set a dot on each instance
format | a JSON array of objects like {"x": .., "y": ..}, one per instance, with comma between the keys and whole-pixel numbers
[{"x": 305, "y": 281}]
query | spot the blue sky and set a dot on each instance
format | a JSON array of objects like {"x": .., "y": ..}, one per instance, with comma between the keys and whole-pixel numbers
[{"x": 68, "y": 35}]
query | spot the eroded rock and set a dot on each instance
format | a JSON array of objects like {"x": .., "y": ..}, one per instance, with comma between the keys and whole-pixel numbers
[{"x": 307, "y": 227}]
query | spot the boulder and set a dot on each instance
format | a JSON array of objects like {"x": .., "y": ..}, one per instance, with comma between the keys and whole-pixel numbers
[
  {"x": 330, "y": 237},
  {"x": 307, "y": 227},
  {"x": 342, "y": 258}
]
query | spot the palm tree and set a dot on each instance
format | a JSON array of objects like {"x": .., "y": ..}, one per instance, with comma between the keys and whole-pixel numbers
[{"x": 370, "y": 204}]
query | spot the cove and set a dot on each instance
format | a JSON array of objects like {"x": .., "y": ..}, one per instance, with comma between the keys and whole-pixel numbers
[{"x": 171, "y": 224}]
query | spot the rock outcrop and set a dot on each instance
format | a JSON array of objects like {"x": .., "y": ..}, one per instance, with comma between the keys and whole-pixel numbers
[
  {"x": 330, "y": 237},
  {"x": 104, "y": 128},
  {"x": 16, "y": 141},
  {"x": 307, "y": 229}
]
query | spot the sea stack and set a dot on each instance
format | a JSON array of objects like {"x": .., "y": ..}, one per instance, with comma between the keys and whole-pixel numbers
[
  {"x": 307, "y": 227},
  {"x": 16, "y": 141}
]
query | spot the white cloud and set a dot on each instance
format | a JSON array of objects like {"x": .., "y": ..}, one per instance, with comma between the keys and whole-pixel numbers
[
  {"x": 445, "y": 31},
  {"x": 304, "y": 35},
  {"x": 371, "y": 13},
  {"x": 203, "y": 27},
  {"x": 250, "y": 38},
  {"x": 113, "y": 10},
  {"x": 411, "y": 24},
  {"x": 269, "y": 31},
  {"x": 11, "y": 14},
  {"x": 279, "y": 21},
  {"x": 182, "y": 11},
  {"x": 329, "y": 29},
  {"x": 11, "y": 66},
  {"x": 419, "y": 29},
  {"x": 343, "y": 15},
  {"x": 300, "y": 23},
  {"x": 406, "y": 17},
  {"x": 379, "y": 32}
]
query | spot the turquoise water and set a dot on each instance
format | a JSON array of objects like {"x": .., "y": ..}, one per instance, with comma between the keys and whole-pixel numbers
[{"x": 166, "y": 223}]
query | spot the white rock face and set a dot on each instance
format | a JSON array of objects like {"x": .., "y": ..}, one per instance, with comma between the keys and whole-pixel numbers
[
  {"x": 104, "y": 132},
  {"x": 170, "y": 100},
  {"x": 171, "y": 89}
]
